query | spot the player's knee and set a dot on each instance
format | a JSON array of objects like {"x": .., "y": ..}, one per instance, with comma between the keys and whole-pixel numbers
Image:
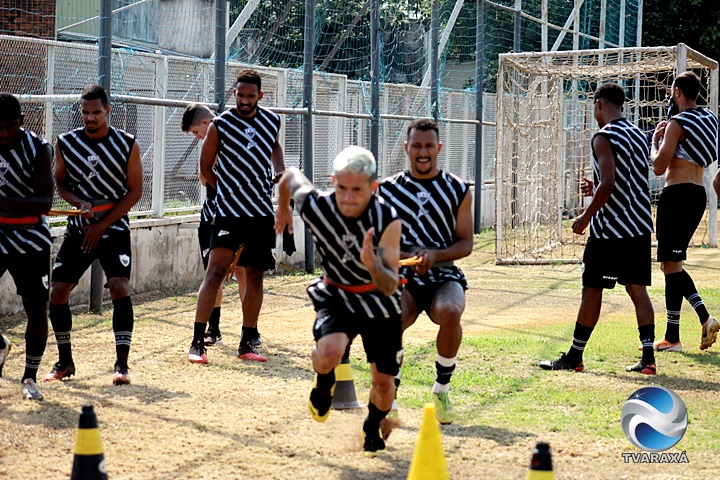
[
  {"x": 384, "y": 385},
  {"x": 330, "y": 354},
  {"x": 448, "y": 313},
  {"x": 119, "y": 287},
  {"x": 59, "y": 294}
]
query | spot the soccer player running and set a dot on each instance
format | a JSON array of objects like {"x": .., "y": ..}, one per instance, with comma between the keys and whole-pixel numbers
[
  {"x": 196, "y": 119},
  {"x": 357, "y": 237},
  {"x": 97, "y": 170},
  {"x": 618, "y": 247},
  {"x": 682, "y": 148},
  {"x": 26, "y": 190},
  {"x": 239, "y": 153},
  {"x": 437, "y": 227}
]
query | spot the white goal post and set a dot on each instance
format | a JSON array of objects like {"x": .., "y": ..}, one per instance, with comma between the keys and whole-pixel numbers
[{"x": 544, "y": 127}]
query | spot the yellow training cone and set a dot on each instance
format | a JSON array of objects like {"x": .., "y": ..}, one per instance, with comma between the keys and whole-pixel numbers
[
  {"x": 89, "y": 461},
  {"x": 428, "y": 461},
  {"x": 541, "y": 463}
]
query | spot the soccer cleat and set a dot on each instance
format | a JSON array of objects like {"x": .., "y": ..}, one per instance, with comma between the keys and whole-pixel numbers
[
  {"x": 444, "y": 410},
  {"x": 709, "y": 332},
  {"x": 561, "y": 363},
  {"x": 121, "y": 376},
  {"x": 197, "y": 354},
  {"x": 247, "y": 352},
  {"x": 213, "y": 337},
  {"x": 30, "y": 390},
  {"x": 60, "y": 371},
  {"x": 320, "y": 402},
  {"x": 641, "y": 367},
  {"x": 665, "y": 346},
  {"x": 373, "y": 444},
  {"x": 4, "y": 353}
]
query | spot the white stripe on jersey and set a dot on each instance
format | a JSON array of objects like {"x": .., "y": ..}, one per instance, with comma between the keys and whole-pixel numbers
[{"x": 627, "y": 213}]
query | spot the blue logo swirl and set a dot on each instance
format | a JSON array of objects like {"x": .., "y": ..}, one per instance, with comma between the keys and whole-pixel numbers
[{"x": 654, "y": 419}]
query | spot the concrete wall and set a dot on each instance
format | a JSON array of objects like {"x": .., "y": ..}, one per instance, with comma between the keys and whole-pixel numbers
[{"x": 166, "y": 255}]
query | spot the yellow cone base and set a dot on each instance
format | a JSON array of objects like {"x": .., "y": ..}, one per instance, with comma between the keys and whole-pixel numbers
[{"x": 428, "y": 461}]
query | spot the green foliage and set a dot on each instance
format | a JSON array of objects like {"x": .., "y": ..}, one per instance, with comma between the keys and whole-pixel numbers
[{"x": 693, "y": 22}]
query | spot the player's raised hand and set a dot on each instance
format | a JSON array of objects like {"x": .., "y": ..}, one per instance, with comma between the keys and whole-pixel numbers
[{"x": 367, "y": 255}]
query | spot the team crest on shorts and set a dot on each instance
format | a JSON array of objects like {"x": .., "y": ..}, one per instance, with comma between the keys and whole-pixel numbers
[
  {"x": 45, "y": 281},
  {"x": 57, "y": 265},
  {"x": 124, "y": 260}
]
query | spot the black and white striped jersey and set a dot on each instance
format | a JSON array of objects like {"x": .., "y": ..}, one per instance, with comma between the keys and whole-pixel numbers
[
  {"x": 243, "y": 167},
  {"x": 626, "y": 214},
  {"x": 17, "y": 180},
  {"x": 96, "y": 171},
  {"x": 339, "y": 242},
  {"x": 428, "y": 209},
  {"x": 700, "y": 128}
]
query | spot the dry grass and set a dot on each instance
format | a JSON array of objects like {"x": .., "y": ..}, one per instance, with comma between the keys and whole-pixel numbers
[{"x": 233, "y": 419}]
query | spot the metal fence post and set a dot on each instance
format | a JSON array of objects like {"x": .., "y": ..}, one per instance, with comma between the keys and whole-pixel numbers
[
  {"x": 479, "y": 87},
  {"x": 307, "y": 151},
  {"x": 220, "y": 53},
  {"x": 375, "y": 79},
  {"x": 104, "y": 80}
]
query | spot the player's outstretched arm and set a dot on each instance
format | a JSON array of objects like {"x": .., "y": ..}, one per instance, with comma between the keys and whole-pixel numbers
[
  {"x": 293, "y": 185},
  {"x": 40, "y": 203},
  {"x": 383, "y": 265}
]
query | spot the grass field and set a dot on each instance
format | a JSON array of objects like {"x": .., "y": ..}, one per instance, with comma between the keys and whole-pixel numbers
[{"x": 232, "y": 419}]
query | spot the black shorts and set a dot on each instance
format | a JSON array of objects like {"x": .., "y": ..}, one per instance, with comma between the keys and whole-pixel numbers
[
  {"x": 30, "y": 271},
  {"x": 257, "y": 234},
  {"x": 679, "y": 212},
  {"x": 382, "y": 337},
  {"x": 113, "y": 251},
  {"x": 204, "y": 237},
  {"x": 423, "y": 295},
  {"x": 626, "y": 261}
]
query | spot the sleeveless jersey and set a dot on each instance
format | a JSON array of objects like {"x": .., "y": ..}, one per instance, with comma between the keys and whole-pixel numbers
[
  {"x": 700, "y": 127},
  {"x": 339, "y": 243},
  {"x": 626, "y": 214},
  {"x": 243, "y": 167},
  {"x": 17, "y": 180},
  {"x": 96, "y": 171},
  {"x": 428, "y": 209}
]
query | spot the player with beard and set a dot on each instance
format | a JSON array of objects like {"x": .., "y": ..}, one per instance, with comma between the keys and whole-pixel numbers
[
  {"x": 240, "y": 151},
  {"x": 26, "y": 190},
  {"x": 682, "y": 148},
  {"x": 97, "y": 170},
  {"x": 357, "y": 237},
  {"x": 436, "y": 215},
  {"x": 196, "y": 119}
]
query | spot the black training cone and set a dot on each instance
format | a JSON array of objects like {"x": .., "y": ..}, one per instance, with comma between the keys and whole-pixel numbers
[
  {"x": 344, "y": 398},
  {"x": 89, "y": 461},
  {"x": 541, "y": 463}
]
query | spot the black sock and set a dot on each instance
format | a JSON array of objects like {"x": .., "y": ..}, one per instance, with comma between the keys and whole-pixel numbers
[
  {"x": 690, "y": 292},
  {"x": 123, "y": 322},
  {"x": 199, "y": 333},
  {"x": 2, "y": 342},
  {"x": 372, "y": 421},
  {"x": 444, "y": 374},
  {"x": 248, "y": 333},
  {"x": 61, "y": 320},
  {"x": 214, "y": 321},
  {"x": 325, "y": 381},
  {"x": 34, "y": 349},
  {"x": 580, "y": 339},
  {"x": 673, "y": 303},
  {"x": 647, "y": 338}
]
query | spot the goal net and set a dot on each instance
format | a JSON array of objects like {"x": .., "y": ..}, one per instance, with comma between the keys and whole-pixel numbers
[{"x": 544, "y": 127}]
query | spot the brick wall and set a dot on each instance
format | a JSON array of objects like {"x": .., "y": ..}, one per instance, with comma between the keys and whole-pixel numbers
[{"x": 31, "y": 18}]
